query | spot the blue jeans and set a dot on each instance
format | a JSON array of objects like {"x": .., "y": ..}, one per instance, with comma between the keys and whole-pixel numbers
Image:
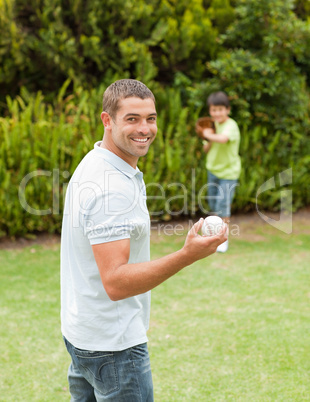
[
  {"x": 220, "y": 195},
  {"x": 123, "y": 376}
]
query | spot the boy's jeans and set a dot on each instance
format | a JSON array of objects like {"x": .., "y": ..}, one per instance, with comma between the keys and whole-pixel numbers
[
  {"x": 123, "y": 376},
  {"x": 220, "y": 195}
]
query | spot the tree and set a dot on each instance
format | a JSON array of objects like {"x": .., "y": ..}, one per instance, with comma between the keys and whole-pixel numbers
[
  {"x": 42, "y": 43},
  {"x": 261, "y": 66}
]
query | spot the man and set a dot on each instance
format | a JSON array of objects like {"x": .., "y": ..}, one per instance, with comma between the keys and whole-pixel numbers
[{"x": 106, "y": 272}]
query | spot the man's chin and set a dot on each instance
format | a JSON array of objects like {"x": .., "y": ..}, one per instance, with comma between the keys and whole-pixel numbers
[{"x": 143, "y": 152}]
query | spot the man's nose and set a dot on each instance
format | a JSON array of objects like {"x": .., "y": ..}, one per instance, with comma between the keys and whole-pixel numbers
[{"x": 144, "y": 128}]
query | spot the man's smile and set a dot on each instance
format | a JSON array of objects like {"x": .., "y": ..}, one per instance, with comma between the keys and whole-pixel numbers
[{"x": 141, "y": 140}]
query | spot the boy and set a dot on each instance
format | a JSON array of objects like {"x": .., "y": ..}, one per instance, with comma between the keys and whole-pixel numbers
[{"x": 223, "y": 160}]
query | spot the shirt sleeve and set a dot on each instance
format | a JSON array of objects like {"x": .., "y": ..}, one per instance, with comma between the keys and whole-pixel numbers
[
  {"x": 232, "y": 131},
  {"x": 108, "y": 217}
]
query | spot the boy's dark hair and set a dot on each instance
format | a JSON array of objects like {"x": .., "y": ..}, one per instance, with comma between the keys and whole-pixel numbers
[
  {"x": 122, "y": 89},
  {"x": 218, "y": 99}
]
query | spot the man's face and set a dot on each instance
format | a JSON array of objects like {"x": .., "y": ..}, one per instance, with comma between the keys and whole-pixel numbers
[
  {"x": 219, "y": 113},
  {"x": 133, "y": 129}
]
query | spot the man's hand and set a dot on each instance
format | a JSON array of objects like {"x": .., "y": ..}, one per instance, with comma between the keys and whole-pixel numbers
[{"x": 197, "y": 247}]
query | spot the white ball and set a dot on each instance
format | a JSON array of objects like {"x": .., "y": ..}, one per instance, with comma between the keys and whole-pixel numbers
[{"x": 212, "y": 226}]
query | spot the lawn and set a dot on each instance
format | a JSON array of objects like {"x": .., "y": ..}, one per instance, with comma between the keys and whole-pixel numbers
[{"x": 233, "y": 327}]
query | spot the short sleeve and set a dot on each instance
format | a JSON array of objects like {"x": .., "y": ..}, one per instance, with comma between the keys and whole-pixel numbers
[
  {"x": 108, "y": 217},
  {"x": 232, "y": 131}
]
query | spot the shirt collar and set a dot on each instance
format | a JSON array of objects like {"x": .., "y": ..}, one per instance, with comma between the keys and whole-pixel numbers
[{"x": 116, "y": 161}]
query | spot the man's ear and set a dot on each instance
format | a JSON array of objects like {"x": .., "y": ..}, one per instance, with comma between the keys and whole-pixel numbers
[{"x": 106, "y": 120}]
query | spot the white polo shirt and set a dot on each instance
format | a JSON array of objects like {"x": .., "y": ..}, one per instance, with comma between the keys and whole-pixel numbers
[{"x": 105, "y": 201}]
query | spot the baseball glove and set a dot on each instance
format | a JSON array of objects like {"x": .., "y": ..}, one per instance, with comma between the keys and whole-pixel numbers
[{"x": 202, "y": 123}]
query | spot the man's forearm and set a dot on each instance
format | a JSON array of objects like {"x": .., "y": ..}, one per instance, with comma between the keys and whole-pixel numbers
[
  {"x": 122, "y": 280},
  {"x": 131, "y": 279}
]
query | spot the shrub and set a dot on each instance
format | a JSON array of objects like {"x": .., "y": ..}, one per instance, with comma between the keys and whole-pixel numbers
[
  {"x": 42, "y": 144},
  {"x": 44, "y": 43}
]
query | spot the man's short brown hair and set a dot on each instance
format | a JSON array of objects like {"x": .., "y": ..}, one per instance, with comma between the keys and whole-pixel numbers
[{"x": 123, "y": 89}]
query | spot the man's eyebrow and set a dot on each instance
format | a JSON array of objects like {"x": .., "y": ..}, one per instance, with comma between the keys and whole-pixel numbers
[{"x": 137, "y": 114}]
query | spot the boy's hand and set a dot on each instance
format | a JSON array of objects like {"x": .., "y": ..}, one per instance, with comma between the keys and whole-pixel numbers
[
  {"x": 206, "y": 132},
  {"x": 206, "y": 146}
]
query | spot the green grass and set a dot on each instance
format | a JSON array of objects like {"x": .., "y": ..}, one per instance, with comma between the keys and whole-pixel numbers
[
  {"x": 33, "y": 359},
  {"x": 233, "y": 327}
]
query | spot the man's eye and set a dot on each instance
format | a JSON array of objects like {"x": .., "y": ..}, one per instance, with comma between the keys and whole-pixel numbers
[
  {"x": 132, "y": 119},
  {"x": 153, "y": 118}
]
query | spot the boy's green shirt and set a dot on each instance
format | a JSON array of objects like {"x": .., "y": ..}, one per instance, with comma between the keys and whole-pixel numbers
[{"x": 223, "y": 160}]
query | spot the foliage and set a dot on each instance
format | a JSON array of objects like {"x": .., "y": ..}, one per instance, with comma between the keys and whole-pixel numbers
[
  {"x": 41, "y": 145},
  {"x": 264, "y": 66},
  {"x": 266, "y": 154},
  {"x": 302, "y": 9},
  {"x": 54, "y": 53},
  {"x": 45, "y": 42}
]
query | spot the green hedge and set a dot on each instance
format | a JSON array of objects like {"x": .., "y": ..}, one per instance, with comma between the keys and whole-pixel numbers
[
  {"x": 255, "y": 50},
  {"x": 41, "y": 145},
  {"x": 43, "y": 43}
]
